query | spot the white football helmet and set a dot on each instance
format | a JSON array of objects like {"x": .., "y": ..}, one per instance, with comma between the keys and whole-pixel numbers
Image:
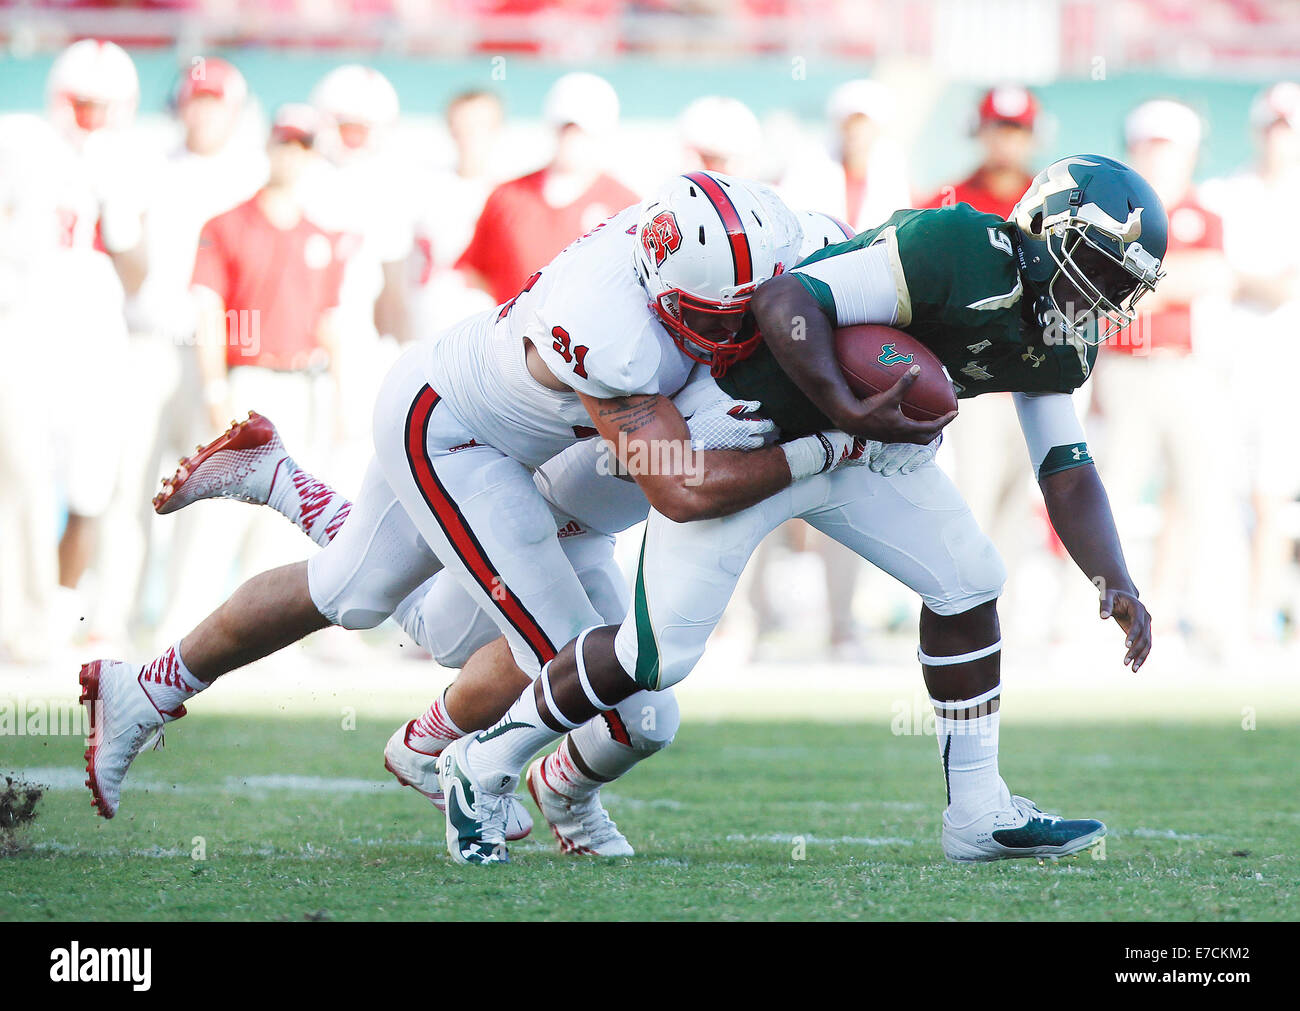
[
  {"x": 705, "y": 241},
  {"x": 92, "y": 86},
  {"x": 821, "y": 230},
  {"x": 358, "y": 102}
]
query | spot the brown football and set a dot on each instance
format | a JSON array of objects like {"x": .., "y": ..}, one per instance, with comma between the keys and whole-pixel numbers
[{"x": 875, "y": 357}]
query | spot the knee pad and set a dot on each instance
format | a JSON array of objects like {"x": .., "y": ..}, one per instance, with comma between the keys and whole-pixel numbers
[
  {"x": 443, "y": 619},
  {"x": 978, "y": 571},
  {"x": 651, "y": 719},
  {"x": 361, "y": 576},
  {"x": 520, "y": 517}
]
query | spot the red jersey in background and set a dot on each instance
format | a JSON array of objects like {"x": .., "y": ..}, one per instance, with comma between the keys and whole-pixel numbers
[
  {"x": 276, "y": 285},
  {"x": 519, "y": 232}
]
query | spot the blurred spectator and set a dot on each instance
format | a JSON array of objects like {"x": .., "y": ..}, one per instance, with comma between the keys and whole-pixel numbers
[
  {"x": 528, "y": 220},
  {"x": 1007, "y": 116},
  {"x": 361, "y": 189},
  {"x": 452, "y": 199},
  {"x": 1260, "y": 220},
  {"x": 208, "y": 173},
  {"x": 720, "y": 135},
  {"x": 61, "y": 334},
  {"x": 92, "y": 94},
  {"x": 862, "y": 178},
  {"x": 1151, "y": 389},
  {"x": 266, "y": 280}
]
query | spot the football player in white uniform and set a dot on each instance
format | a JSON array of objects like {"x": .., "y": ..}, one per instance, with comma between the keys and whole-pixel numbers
[{"x": 461, "y": 423}]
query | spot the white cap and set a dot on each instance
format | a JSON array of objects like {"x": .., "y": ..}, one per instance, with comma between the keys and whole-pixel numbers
[
  {"x": 583, "y": 99},
  {"x": 94, "y": 71},
  {"x": 865, "y": 98},
  {"x": 1279, "y": 102},
  {"x": 1163, "y": 119},
  {"x": 720, "y": 126},
  {"x": 354, "y": 93}
]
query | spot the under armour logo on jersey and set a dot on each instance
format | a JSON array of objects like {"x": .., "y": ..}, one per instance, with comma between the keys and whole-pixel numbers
[
  {"x": 888, "y": 356},
  {"x": 661, "y": 237}
]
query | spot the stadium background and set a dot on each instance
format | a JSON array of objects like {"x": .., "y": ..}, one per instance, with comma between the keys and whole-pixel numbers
[{"x": 1089, "y": 63}]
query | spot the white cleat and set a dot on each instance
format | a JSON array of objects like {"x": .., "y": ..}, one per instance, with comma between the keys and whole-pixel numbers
[
  {"x": 419, "y": 771},
  {"x": 1019, "y": 830},
  {"x": 241, "y": 463},
  {"x": 123, "y": 720},
  {"x": 581, "y": 825},
  {"x": 476, "y": 817}
]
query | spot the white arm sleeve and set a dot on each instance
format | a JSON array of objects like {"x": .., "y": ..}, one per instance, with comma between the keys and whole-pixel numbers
[
  {"x": 863, "y": 283},
  {"x": 1053, "y": 432}
]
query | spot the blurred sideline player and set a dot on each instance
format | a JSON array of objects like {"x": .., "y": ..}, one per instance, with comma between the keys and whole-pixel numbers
[
  {"x": 208, "y": 173},
  {"x": 720, "y": 134},
  {"x": 527, "y": 221},
  {"x": 450, "y": 203},
  {"x": 92, "y": 94},
  {"x": 61, "y": 330},
  {"x": 995, "y": 485},
  {"x": 1156, "y": 379},
  {"x": 266, "y": 283},
  {"x": 862, "y": 177},
  {"x": 1029, "y": 299},
  {"x": 1260, "y": 215}
]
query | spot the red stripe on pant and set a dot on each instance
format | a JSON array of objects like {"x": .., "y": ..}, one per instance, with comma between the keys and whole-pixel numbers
[{"x": 458, "y": 532}]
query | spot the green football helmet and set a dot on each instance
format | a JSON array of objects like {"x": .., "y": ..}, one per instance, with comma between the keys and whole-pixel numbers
[{"x": 1092, "y": 235}]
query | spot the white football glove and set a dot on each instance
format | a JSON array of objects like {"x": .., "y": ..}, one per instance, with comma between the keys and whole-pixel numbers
[
  {"x": 888, "y": 459},
  {"x": 729, "y": 424},
  {"x": 823, "y": 452}
]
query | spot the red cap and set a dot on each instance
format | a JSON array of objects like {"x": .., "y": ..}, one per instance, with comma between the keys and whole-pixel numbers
[
  {"x": 1009, "y": 103},
  {"x": 214, "y": 77}
]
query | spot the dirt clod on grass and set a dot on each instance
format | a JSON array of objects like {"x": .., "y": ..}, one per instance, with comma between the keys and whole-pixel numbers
[{"x": 18, "y": 802}]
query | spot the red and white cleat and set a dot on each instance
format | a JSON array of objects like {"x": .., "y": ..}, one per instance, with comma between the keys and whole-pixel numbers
[
  {"x": 582, "y": 825},
  {"x": 123, "y": 720},
  {"x": 419, "y": 771},
  {"x": 241, "y": 463}
]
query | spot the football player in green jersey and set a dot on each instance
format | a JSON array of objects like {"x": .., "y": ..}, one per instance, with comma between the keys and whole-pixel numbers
[{"x": 1016, "y": 305}]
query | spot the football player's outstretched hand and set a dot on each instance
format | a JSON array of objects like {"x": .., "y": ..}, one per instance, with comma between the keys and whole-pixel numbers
[
  {"x": 729, "y": 424},
  {"x": 1134, "y": 619}
]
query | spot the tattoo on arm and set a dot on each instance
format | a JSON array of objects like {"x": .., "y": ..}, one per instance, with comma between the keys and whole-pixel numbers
[{"x": 631, "y": 414}]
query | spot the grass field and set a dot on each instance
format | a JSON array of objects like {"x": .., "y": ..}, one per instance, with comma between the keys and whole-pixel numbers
[{"x": 299, "y": 821}]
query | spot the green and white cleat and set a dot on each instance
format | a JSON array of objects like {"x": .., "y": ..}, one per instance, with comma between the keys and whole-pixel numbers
[
  {"x": 1020, "y": 830},
  {"x": 476, "y": 817},
  {"x": 419, "y": 771}
]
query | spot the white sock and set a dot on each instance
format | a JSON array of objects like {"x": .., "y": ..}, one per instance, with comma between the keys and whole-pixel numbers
[
  {"x": 604, "y": 745},
  {"x": 562, "y": 774},
  {"x": 310, "y": 504},
  {"x": 497, "y": 755},
  {"x": 434, "y": 730},
  {"x": 169, "y": 683},
  {"x": 968, "y": 748}
]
